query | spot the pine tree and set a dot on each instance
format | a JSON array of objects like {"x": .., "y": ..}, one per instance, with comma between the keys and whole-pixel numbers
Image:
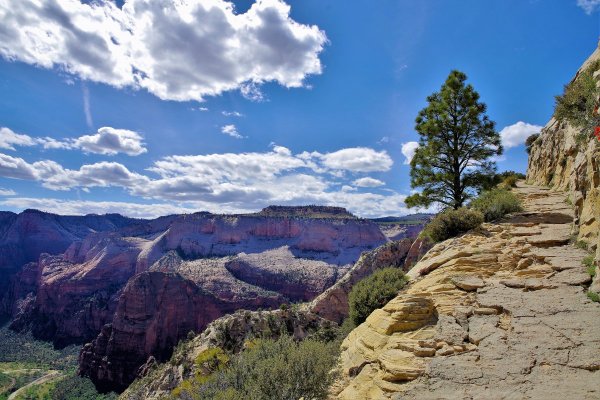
[{"x": 456, "y": 146}]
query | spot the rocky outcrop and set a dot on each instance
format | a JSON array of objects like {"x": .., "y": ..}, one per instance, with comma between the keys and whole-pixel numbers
[
  {"x": 230, "y": 333},
  {"x": 499, "y": 312},
  {"x": 333, "y": 303},
  {"x": 74, "y": 295},
  {"x": 155, "y": 311},
  {"x": 25, "y": 236},
  {"x": 565, "y": 158}
]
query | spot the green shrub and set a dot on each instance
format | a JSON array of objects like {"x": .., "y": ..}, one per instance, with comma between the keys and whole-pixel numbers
[
  {"x": 374, "y": 292},
  {"x": 496, "y": 203},
  {"x": 530, "y": 141},
  {"x": 576, "y": 104},
  {"x": 271, "y": 370},
  {"x": 510, "y": 182},
  {"x": 588, "y": 262},
  {"x": 450, "y": 223},
  {"x": 593, "y": 296},
  {"x": 493, "y": 180}
]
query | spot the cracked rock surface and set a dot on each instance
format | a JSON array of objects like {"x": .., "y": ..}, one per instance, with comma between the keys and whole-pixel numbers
[{"x": 498, "y": 313}]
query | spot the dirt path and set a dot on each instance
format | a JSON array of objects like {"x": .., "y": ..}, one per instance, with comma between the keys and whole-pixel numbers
[
  {"x": 43, "y": 379},
  {"x": 496, "y": 314}
]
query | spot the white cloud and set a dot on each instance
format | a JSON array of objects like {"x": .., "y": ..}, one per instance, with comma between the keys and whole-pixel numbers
[
  {"x": 357, "y": 159},
  {"x": 368, "y": 182},
  {"x": 7, "y": 192},
  {"x": 16, "y": 168},
  {"x": 232, "y": 114},
  {"x": 229, "y": 182},
  {"x": 107, "y": 141},
  {"x": 408, "y": 151},
  {"x": 589, "y": 6},
  {"x": 252, "y": 92},
  {"x": 231, "y": 130},
  {"x": 10, "y": 139},
  {"x": 110, "y": 141},
  {"x": 177, "y": 50},
  {"x": 515, "y": 135}
]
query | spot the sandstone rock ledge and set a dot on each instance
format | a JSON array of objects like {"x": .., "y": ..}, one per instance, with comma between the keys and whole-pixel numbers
[{"x": 499, "y": 313}]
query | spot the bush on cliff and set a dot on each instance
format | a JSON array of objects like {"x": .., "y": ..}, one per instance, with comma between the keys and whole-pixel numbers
[
  {"x": 270, "y": 370},
  {"x": 450, "y": 223},
  {"x": 496, "y": 203},
  {"x": 530, "y": 141},
  {"x": 374, "y": 292},
  {"x": 577, "y": 104}
]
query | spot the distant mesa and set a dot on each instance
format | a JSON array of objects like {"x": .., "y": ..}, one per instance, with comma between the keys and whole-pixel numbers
[{"x": 310, "y": 211}]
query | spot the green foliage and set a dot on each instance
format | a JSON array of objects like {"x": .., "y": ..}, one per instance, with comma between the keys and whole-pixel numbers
[
  {"x": 496, "y": 203},
  {"x": 580, "y": 244},
  {"x": 588, "y": 262},
  {"x": 455, "y": 133},
  {"x": 593, "y": 296},
  {"x": 506, "y": 179},
  {"x": 530, "y": 141},
  {"x": 374, "y": 292},
  {"x": 576, "y": 105},
  {"x": 22, "y": 347},
  {"x": 74, "y": 387},
  {"x": 450, "y": 223},
  {"x": 270, "y": 370}
]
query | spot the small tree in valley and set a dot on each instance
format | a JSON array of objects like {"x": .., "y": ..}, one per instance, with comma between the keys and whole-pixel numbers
[{"x": 456, "y": 146}]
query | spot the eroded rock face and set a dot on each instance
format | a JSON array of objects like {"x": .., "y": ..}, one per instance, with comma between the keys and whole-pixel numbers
[
  {"x": 562, "y": 161},
  {"x": 156, "y": 310},
  {"x": 74, "y": 295},
  {"x": 333, "y": 303},
  {"x": 498, "y": 310},
  {"x": 25, "y": 236}
]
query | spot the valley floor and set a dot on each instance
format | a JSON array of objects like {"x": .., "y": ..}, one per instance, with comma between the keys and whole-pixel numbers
[{"x": 498, "y": 313}]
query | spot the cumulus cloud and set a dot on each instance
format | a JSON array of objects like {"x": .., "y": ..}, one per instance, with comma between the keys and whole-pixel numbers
[
  {"x": 110, "y": 141},
  {"x": 589, "y": 6},
  {"x": 107, "y": 141},
  {"x": 231, "y": 130},
  {"x": 10, "y": 139},
  {"x": 408, "y": 151},
  {"x": 515, "y": 135},
  {"x": 230, "y": 182},
  {"x": 357, "y": 159},
  {"x": 368, "y": 182},
  {"x": 177, "y": 50}
]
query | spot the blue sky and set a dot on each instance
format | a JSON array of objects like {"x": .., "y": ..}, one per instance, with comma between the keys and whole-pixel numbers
[{"x": 147, "y": 110}]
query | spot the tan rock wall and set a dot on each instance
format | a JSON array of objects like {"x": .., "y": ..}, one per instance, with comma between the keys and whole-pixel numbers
[{"x": 558, "y": 161}]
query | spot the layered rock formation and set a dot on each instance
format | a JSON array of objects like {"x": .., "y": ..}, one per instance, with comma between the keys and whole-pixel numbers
[
  {"x": 333, "y": 303},
  {"x": 500, "y": 312},
  {"x": 25, "y": 236},
  {"x": 565, "y": 158}
]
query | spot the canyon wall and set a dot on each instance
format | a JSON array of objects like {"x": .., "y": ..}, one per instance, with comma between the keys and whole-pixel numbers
[{"x": 566, "y": 158}]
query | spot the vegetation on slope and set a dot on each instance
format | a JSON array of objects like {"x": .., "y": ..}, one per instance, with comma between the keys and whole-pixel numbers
[
  {"x": 374, "y": 292},
  {"x": 490, "y": 205},
  {"x": 267, "y": 370},
  {"x": 577, "y": 105}
]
